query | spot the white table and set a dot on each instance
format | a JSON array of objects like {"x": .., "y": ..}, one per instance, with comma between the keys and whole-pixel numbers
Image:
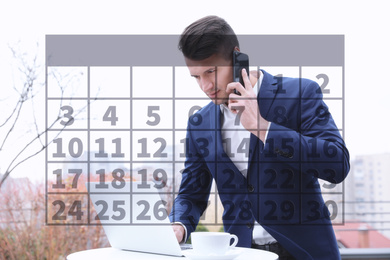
[{"x": 117, "y": 254}]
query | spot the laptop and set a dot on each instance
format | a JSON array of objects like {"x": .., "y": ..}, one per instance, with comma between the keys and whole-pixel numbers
[{"x": 134, "y": 218}]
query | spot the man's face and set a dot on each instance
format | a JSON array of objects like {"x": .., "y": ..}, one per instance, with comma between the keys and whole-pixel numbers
[{"x": 212, "y": 74}]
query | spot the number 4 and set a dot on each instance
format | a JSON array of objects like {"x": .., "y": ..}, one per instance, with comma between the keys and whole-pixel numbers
[{"x": 110, "y": 115}]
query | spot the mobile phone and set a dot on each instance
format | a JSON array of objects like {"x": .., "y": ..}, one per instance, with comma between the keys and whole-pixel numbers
[{"x": 240, "y": 61}]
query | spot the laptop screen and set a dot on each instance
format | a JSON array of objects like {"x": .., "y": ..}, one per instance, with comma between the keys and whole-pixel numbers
[{"x": 134, "y": 217}]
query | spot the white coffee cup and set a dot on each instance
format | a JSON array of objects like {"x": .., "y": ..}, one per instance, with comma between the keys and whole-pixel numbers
[{"x": 212, "y": 243}]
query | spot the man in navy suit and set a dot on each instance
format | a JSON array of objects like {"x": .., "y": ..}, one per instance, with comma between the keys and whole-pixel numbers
[{"x": 265, "y": 147}]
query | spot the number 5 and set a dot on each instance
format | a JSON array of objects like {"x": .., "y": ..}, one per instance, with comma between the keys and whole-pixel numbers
[{"x": 154, "y": 115}]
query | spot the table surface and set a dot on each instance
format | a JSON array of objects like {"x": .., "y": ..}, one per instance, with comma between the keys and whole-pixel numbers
[{"x": 118, "y": 254}]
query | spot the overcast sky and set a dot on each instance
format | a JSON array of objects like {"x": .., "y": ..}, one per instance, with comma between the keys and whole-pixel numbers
[{"x": 364, "y": 24}]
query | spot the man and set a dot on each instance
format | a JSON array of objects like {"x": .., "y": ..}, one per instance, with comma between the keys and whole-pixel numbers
[{"x": 264, "y": 150}]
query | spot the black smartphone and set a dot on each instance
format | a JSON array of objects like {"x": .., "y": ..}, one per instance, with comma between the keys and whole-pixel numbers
[{"x": 240, "y": 61}]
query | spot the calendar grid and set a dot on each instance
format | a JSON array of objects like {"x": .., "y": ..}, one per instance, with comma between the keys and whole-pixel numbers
[{"x": 149, "y": 145}]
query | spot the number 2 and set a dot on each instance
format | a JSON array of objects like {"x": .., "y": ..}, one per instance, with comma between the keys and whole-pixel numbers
[{"x": 324, "y": 84}]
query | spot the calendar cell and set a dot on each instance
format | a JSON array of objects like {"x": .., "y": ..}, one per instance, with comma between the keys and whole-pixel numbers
[
  {"x": 236, "y": 150},
  {"x": 68, "y": 146},
  {"x": 67, "y": 82},
  {"x": 110, "y": 208},
  {"x": 314, "y": 179},
  {"x": 158, "y": 175},
  {"x": 152, "y": 82},
  {"x": 320, "y": 150},
  {"x": 196, "y": 181},
  {"x": 313, "y": 210},
  {"x": 152, "y": 146},
  {"x": 71, "y": 114},
  {"x": 281, "y": 178},
  {"x": 230, "y": 181},
  {"x": 186, "y": 109},
  {"x": 312, "y": 184},
  {"x": 152, "y": 114},
  {"x": 67, "y": 209},
  {"x": 110, "y": 114},
  {"x": 329, "y": 78},
  {"x": 280, "y": 210},
  {"x": 325, "y": 115},
  {"x": 209, "y": 214},
  {"x": 110, "y": 176},
  {"x": 110, "y": 82},
  {"x": 186, "y": 86},
  {"x": 110, "y": 146},
  {"x": 282, "y": 148},
  {"x": 148, "y": 211},
  {"x": 148, "y": 208},
  {"x": 237, "y": 211},
  {"x": 67, "y": 177}
]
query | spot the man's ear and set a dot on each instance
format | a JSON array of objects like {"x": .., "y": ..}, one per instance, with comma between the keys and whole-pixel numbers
[{"x": 236, "y": 48}]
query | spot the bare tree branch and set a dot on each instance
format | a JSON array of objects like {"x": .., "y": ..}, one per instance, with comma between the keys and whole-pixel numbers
[
  {"x": 11, "y": 115},
  {"x": 11, "y": 167},
  {"x": 13, "y": 124},
  {"x": 30, "y": 72}
]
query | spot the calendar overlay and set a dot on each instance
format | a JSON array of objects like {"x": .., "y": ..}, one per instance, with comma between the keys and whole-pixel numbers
[{"x": 120, "y": 106}]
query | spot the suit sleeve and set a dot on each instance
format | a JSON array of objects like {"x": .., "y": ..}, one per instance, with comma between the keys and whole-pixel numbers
[
  {"x": 192, "y": 199},
  {"x": 303, "y": 130}
]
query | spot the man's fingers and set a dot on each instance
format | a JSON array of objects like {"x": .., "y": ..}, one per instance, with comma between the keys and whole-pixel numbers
[
  {"x": 246, "y": 79},
  {"x": 234, "y": 86}
]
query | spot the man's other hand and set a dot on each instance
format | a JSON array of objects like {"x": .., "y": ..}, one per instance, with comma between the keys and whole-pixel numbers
[{"x": 179, "y": 232}]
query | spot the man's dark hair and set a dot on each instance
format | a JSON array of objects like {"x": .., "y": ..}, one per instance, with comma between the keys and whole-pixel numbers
[{"x": 207, "y": 36}]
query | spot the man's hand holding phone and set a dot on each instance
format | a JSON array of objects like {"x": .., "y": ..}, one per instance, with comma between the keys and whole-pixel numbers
[{"x": 245, "y": 105}]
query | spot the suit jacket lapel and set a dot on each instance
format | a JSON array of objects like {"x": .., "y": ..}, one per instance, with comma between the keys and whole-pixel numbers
[
  {"x": 267, "y": 94},
  {"x": 265, "y": 98}
]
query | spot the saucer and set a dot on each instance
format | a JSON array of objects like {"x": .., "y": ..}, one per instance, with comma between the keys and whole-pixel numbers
[{"x": 229, "y": 255}]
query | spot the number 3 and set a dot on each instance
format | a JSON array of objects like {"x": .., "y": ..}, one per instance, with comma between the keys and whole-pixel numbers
[{"x": 67, "y": 115}]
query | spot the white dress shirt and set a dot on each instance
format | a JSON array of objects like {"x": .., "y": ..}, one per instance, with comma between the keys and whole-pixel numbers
[{"x": 235, "y": 139}]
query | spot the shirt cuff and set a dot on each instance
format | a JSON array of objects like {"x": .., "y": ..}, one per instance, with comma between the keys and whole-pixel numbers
[{"x": 185, "y": 231}]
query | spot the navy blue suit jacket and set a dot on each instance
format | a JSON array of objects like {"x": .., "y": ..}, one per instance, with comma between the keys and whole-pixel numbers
[{"x": 281, "y": 191}]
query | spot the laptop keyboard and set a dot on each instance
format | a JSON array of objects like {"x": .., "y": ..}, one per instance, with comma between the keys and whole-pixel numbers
[{"x": 185, "y": 246}]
